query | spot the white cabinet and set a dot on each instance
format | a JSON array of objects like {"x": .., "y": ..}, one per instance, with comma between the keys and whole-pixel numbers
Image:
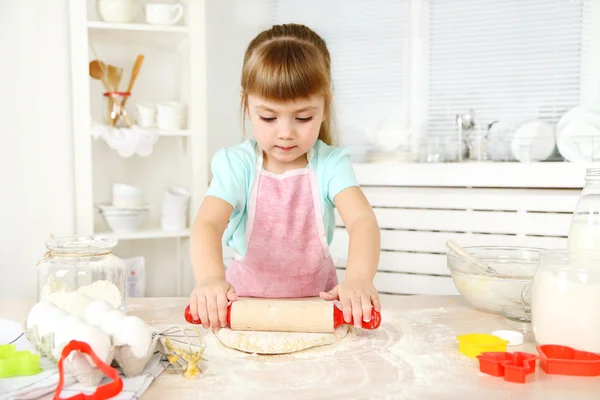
[
  {"x": 420, "y": 206},
  {"x": 173, "y": 69}
]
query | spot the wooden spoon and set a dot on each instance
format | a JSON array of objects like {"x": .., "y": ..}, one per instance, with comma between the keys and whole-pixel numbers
[
  {"x": 114, "y": 76},
  {"x": 98, "y": 71}
]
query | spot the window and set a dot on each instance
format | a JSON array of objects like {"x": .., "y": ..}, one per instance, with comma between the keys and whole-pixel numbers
[
  {"x": 509, "y": 60},
  {"x": 367, "y": 41}
]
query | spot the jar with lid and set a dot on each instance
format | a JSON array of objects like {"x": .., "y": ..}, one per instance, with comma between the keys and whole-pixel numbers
[
  {"x": 565, "y": 299},
  {"x": 78, "y": 269},
  {"x": 584, "y": 233}
]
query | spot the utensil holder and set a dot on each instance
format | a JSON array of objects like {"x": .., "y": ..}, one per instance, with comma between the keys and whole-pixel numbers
[{"x": 115, "y": 109}]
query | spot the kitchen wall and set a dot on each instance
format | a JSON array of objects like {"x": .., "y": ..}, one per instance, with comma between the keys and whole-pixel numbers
[{"x": 36, "y": 170}]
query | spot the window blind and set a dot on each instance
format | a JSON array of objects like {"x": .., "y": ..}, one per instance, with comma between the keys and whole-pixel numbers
[
  {"x": 368, "y": 45},
  {"x": 509, "y": 60}
]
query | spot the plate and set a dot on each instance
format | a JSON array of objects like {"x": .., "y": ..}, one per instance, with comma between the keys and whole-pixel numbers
[
  {"x": 533, "y": 141},
  {"x": 578, "y": 138}
]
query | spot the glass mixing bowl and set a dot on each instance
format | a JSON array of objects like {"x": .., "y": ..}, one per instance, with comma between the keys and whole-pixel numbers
[{"x": 513, "y": 267}]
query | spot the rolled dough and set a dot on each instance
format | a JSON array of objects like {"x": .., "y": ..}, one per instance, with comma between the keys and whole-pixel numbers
[{"x": 259, "y": 342}]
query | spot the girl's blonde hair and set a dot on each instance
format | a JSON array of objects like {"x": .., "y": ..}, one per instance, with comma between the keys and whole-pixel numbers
[{"x": 286, "y": 63}]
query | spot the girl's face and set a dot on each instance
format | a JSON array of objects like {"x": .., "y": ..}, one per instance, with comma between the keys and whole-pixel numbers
[{"x": 286, "y": 131}]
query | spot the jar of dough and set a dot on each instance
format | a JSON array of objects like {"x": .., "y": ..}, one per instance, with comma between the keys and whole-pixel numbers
[{"x": 79, "y": 269}]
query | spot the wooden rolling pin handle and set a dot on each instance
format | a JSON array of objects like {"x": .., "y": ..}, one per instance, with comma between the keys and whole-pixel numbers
[{"x": 338, "y": 318}]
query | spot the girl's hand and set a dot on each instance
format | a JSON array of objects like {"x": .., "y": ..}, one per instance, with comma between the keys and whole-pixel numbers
[
  {"x": 209, "y": 301},
  {"x": 358, "y": 297}
]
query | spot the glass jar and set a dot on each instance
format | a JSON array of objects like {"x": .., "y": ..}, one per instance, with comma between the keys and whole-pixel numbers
[
  {"x": 584, "y": 233},
  {"x": 115, "y": 113},
  {"x": 83, "y": 265},
  {"x": 565, "y": 299}
]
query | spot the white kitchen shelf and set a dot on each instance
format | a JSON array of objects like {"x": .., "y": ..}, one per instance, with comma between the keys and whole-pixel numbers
[
  {"x": 147, "y": 234},
  {"x": 138, "y": 34}
]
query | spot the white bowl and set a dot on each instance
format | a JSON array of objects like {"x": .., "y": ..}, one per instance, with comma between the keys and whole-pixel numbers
[{"x": 124, "y": 220}]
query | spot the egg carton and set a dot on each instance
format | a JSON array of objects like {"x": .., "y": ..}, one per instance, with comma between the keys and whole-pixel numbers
[{"x": 81, "y": 366}]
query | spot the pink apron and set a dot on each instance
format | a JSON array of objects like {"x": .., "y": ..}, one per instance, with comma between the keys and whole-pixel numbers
[{"x": 287, "y": 254}]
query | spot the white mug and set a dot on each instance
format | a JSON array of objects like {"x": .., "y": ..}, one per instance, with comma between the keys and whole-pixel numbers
[
  {"x": 163, "y": 14},
  {"x": 175, "y": 209},
  {"x": 146, "y": 115},
  {"x": 169, "y": 116}
]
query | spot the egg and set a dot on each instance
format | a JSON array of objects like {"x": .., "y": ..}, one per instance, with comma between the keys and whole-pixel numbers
[
  {"x": 50, "y": 320},
  {"x": 112, "y": 321},
  {"x": 64, "y": 332},
  {"x": 94, "y": 313},
  {"x": 97, "y": 339},
  {"x": 37, "y": 313},
  {"x": 135, "y": 333}
]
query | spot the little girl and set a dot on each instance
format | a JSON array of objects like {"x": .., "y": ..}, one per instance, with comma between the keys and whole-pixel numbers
[{"x": 272, "y": 198}]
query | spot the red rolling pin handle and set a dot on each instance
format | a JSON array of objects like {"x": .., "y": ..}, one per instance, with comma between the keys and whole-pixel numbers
[
  {"x": 338, "y": 318},
  {"x": 189, "y": 318}
]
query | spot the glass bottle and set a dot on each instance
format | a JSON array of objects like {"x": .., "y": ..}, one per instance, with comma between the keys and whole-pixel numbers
[{"x": 584, "y": 233}]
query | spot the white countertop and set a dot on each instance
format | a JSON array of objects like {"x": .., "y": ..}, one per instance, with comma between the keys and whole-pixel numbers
[{"x": 413, "y": 355}]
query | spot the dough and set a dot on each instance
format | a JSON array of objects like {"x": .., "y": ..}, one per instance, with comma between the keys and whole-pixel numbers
[{"x": 277, "y": 342}]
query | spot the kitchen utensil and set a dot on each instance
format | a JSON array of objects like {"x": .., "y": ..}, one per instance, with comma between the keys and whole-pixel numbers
[
  {"x": 106, "y": 391},
  {"x": 98, "y": 71},
  {"x": 163, "y": 13},
  {"x": 248, "y": 314},
  {"x": 514, "y": 367},
  {"x": 467, "y": 256},
  {"x": 494, "y": 292},
  {"x": 473, "y": 344},
  {"x": 563, "y": 360},
  {"x": 18, "y": 363},
  {"x": 135, "y": 71},
  {"x": 114, "y": 76}
]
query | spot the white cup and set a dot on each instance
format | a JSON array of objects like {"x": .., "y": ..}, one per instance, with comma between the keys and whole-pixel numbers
[
  {"x": 163, "y": 13},
  {"x": 127, "y": 196},
  {"x": 175, "y": 209},
  {"x": 169, "y": 116},
  {"x": 146, "y": 115}
]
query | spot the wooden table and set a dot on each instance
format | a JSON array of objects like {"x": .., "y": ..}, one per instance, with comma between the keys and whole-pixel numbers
[{"x": 413, "y": 355}]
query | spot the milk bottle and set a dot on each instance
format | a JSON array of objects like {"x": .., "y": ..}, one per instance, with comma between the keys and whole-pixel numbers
[{"x": 584, "y": 233}]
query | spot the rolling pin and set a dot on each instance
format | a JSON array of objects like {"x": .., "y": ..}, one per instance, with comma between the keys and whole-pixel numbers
[{"x": 277, "y": 315}]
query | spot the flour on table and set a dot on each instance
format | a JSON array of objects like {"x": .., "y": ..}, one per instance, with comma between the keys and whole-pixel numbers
[{"x": 277, "y": 342}]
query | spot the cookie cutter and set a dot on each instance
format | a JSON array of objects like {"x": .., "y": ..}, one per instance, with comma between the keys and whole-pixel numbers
[
  {"x": 473, "y": 344},
  {"x": 514, "y": 367},
  {"x": 564, "y": 360},
  {"x": 18, "y": 363}
]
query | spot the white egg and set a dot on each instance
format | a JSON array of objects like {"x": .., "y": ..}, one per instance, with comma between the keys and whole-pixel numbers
[
  {"x": 49, "y": 321},
  {"x": 64, "y": 332},
  {"x": 95, "y": 311},
  {"x": 112, "y": 321},
  {"x": 72, "y": 302},
  {"x": 94, "y": 337},
  {"x": 37, "y": 313},
  {"x": 135, "y": 333}
]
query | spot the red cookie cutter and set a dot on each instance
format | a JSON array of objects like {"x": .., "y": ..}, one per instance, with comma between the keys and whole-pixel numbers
[
  {"x": 514, "y": 367},
  {"x": 103, "y": 392},
  {"x": 563, "y": 360}
]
